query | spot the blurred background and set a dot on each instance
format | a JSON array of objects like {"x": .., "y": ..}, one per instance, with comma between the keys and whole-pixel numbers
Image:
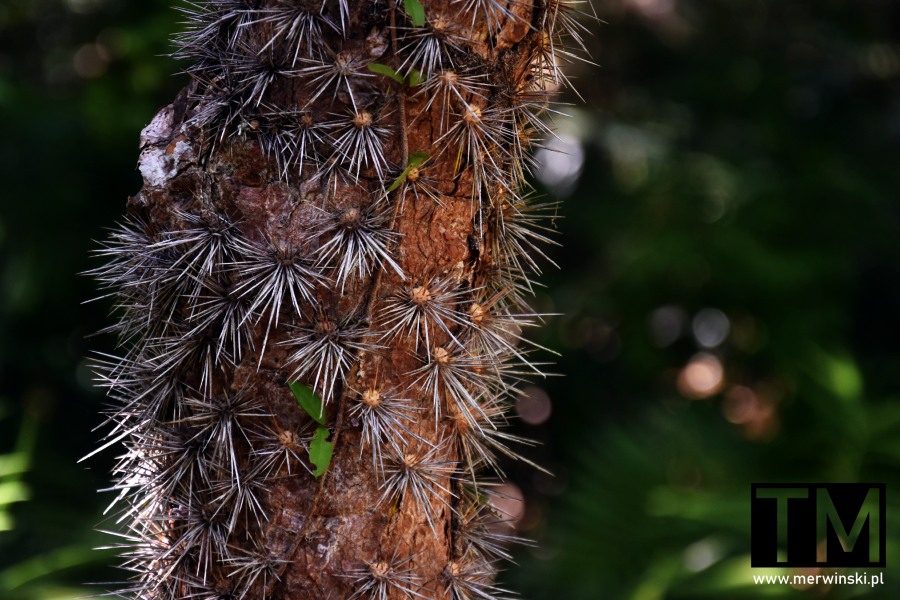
[{"x": 729, "y": 285}]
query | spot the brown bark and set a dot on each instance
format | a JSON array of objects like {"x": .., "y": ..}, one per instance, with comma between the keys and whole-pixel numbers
[{"x": 307, "y": 537}]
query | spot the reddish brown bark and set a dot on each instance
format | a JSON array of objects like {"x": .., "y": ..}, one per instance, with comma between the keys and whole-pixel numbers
[{"x": 324, "y": 535}]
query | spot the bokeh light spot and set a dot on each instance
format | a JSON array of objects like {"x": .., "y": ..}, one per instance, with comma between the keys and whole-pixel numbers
[
  {"x": 710, "y": 327},
  {"x": 702, "y": 377},
  {"x": 666, "y": 325},
  {"x": 533, "y": 405},
  {"x": 701, "y": 555},
  {"x": 753, "y": 411},
  {"x": 90, "y": 61},
  {"x": 509, "y": 501},
  {"x": 654, "y": 8},
  {"x": 560, "y": 162}
]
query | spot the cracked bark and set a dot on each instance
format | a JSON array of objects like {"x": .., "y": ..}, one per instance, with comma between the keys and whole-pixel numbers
[{"x": 317, "y": 531}]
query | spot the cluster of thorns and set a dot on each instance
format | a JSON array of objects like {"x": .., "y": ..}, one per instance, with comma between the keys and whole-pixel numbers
[{"x": 196, "y": 300}]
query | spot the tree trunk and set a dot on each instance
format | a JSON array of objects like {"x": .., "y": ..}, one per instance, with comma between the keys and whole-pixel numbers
[{"x": 337, "y": 201}]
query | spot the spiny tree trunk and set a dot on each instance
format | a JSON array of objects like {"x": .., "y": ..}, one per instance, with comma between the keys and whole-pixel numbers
[{"x": 336, "y": 200}]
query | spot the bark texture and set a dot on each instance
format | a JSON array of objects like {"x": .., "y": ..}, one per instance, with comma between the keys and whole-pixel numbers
[{"x": 337, "y": 200}]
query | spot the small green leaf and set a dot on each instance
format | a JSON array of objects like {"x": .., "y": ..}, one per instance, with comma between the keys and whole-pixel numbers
[
  {"x": 416, "y": 159},
  {"x": 400, "y": 179},
  {"x": 320, "y": 451},
  {"x": 308, "y": 401},
  {"x": 386, "y": 71},
  {"x": 415, "y": 78},
  {"x": 416, "y": 12}
]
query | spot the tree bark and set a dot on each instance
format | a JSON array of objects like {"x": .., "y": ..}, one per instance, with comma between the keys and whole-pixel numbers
[{"x": 337, "y": 200}]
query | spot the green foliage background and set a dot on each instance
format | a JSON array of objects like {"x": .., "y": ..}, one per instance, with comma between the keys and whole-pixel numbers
[{"x": 740, "y": 155}]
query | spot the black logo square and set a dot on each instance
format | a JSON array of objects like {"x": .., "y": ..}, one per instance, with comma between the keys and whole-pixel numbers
[{"x": 817, "y": 525}]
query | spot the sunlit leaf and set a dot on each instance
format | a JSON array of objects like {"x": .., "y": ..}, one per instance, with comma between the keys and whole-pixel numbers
[{"x": 320, "y": 450}]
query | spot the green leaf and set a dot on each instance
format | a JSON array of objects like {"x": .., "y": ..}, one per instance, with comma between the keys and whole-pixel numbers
[
  {"x": 386, "y": 71},
  {"x": 416, "y": 12},
  {"x": 415, "y": 78},
  {"x": 308, "y": 401},
  {"x": 415, "y": 160},
  {"x": 399, "y": 180},
  {"x": 320, "y": 451}
]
